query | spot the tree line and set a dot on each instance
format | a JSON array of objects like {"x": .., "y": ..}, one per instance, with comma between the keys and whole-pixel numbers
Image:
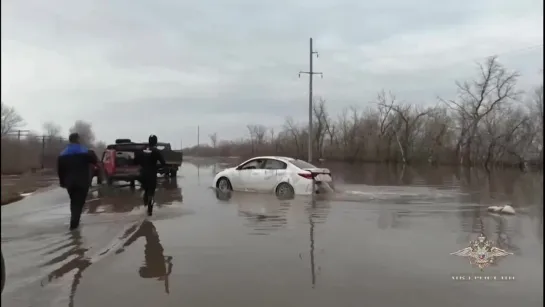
[
  {"x": 25, "y": 150},
  {"x": 490, "y": 122}
]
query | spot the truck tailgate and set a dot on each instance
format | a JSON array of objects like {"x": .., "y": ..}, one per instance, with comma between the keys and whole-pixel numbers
[
  {"x": 173, "y": 157},
  {"x": 127, "y": 170}
]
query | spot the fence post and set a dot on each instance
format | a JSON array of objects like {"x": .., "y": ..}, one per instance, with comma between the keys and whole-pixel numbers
[{"x": 43, "y": 151}]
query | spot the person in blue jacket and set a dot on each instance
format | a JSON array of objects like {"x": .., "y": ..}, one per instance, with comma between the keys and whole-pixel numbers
[{"x": 74, "y": 170}]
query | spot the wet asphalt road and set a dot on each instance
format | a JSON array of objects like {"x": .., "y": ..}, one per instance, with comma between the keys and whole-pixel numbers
[{"x": 366, "y": 246}]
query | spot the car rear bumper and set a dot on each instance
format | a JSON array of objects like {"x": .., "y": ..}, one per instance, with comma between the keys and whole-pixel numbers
[
  {"x": 303, "y": 187},
  {"x": 124, "y": 177},
  {"x": 168, "y": 168},
  {"x": 306, "y": 188}
]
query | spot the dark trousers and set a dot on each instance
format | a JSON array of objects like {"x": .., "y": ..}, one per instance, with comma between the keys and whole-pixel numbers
[
  {"x": 78, "y": 196},
  {"x": 149, "y": 184}
]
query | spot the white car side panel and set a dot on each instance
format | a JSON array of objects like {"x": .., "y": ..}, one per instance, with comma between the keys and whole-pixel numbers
[
  {"x": 237, "y": 180},
  {"x": 272, "y": 178},
  {"x": 300, "y": 186},
  {"x": 252, "y": 180}
]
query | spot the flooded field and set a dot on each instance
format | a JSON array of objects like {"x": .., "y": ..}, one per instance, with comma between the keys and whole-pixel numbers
[{"x": 384, "y": 238}]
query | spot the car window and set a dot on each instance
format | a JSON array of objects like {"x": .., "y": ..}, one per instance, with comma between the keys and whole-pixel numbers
[
  {"x": 302, "y": 164},
  {"x": 254, "y": 164},
  {"x": 274, "y": 164},
  {"x": 124, "y": 158}
]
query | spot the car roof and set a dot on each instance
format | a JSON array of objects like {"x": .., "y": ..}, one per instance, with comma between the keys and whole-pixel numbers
[
  {"x": 127, "y": 146},
  {"x": 133, "y": 145},
  {"x": 283, "y": 159}
]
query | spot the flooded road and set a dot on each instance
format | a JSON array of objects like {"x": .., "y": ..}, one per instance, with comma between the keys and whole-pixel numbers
[{"x": 384, "y": 239}]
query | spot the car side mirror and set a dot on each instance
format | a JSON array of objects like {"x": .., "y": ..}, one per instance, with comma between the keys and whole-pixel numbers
[{"x": 238, "y": 168}]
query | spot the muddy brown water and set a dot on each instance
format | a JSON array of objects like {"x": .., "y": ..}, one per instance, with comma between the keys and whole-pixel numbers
[{"x": 385, "y": 238}]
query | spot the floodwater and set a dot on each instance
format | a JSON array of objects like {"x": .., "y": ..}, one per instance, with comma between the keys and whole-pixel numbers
[{"x": 385, "y": 238}]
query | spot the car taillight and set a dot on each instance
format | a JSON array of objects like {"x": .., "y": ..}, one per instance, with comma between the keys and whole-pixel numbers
[{"x": 306, "y": 175}]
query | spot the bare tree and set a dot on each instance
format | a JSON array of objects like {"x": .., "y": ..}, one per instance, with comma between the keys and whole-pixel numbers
[
  {"x": 407, "y": 119},
  {"x": 257, "y": 135},
  {"x": 292, "y": 134},
  {"x": 213, "y": 139},
  {"x": 11, "y": 120},
  {"x": 52, "y": 130},
  {"x": 259, "y": 132},
  {"x": 476, "y": 99},
  {"x": 497, "y": 133},
  {"x": 436, "y": 136},
  {"x": 535, "y": 108},
  {"x": 321, "y": 119},
  {"x": 85, "y": 131},
  {"x": 271, "y": 132},
  {"x": 385, "y": 105}
]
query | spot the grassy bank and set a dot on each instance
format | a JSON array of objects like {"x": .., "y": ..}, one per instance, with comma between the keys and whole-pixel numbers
[{"x": 15, "y": 186}]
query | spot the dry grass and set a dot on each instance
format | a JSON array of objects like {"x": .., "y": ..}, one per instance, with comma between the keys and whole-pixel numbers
[
  {"x": 15, "y": 185},
  {"x": 22, "y": 160},
  {"x": 28, "y": 154}
]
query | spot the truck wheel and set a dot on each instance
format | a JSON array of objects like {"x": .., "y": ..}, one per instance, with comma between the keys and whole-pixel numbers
[{"x": 173, "y": 173}]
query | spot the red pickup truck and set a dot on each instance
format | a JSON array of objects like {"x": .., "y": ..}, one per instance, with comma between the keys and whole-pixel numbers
[{"x": 118, "y": 164}]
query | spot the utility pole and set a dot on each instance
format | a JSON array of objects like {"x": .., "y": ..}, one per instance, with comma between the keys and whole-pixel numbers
[
  {"x": 198, "y": 139},
  {"x": 310, "y": 74}
]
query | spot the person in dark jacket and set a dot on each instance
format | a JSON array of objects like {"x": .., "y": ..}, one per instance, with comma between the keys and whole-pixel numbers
[
  {"x": 148, "y": 159},
  {"x": 74, "y": 167}
]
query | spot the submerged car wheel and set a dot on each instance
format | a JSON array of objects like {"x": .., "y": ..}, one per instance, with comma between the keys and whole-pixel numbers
[
  {"x": 285, "y": 191},
  {"x": 224, "y": 185}
]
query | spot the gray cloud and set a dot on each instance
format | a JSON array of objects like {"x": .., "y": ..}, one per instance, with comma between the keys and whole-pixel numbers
[{"x": 139, "y": 67}]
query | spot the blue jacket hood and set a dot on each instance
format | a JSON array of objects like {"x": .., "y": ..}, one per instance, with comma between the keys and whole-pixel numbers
[{"x": 74, "y": 149}]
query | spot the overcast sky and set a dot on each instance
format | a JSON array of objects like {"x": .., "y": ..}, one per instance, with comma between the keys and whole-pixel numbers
[{"x": 135, "y": 67}]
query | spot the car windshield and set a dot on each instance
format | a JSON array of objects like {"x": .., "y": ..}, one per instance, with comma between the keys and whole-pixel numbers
[{"x": 302, "y": 164}]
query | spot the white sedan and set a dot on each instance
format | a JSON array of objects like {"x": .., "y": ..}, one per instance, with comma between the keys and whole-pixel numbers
[{"x": 283, "y": 176}]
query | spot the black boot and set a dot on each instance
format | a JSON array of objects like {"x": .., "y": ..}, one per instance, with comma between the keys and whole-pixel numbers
[
  {"x": 150, "y": 206},
  {"x": 74, "y": 223},
  {"x": 146, "y": 201}
]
